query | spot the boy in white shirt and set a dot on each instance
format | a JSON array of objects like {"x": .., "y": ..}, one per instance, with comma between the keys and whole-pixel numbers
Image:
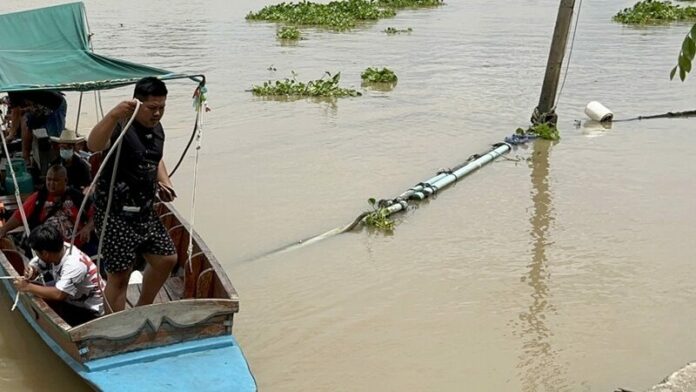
[{"x": 77, "y": 291}]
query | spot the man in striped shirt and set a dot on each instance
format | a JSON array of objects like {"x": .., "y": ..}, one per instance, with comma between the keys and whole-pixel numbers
[{"x": 76, "y": 293}]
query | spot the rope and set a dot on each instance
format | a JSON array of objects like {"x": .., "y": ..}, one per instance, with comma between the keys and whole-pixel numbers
[
  {"x": 22, "y": 213},
  {"x": 101, "y": 108},
  {"x": 200, "y": 106},
  {"x": 688, "y": 113},
  {"x": 20, "y": 205},
  {"x": 79, "y": 109},
  {"x": 116, "y": 144},
  {"x": 570, "y": 53}
]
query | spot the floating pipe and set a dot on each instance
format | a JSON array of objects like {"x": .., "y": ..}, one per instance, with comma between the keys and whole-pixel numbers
[
  {"x": 471, "y": 166},
  {"x": 443, "y": 180},
  {"x": 420, "y": 186},
  {"x": 419, "y": 191}
]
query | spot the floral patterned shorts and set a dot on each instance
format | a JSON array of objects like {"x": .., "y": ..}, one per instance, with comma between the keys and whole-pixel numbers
[{"x": 126, "y": 237}]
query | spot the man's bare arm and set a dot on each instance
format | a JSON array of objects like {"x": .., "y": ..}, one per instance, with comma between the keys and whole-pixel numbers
[{"x": 100, "y": 135}]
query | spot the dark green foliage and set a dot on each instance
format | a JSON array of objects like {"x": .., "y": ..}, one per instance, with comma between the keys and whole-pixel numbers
[
  {"x": 686, "y": 55},
  {"x": 289, "y": 33},
  {"x": 374, "y": 75},
  {"x": 379, "y": 217},
  {"x": 654, "y": 12},
  {"x": 394, "y": 30},
  {"x": 337, "y": 15},
  {"x": 316, "y": 88}
]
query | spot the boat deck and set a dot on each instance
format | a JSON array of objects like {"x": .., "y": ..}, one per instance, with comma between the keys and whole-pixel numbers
[{"x": 172, "y": 290}]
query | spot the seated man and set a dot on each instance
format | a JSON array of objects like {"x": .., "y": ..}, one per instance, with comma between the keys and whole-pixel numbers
[
  {"x": 56, "y": 204},
  {"x": 37, "y": 109},
  {"x": 79, "y": 176},
  {"x": 77, "y": 290}
]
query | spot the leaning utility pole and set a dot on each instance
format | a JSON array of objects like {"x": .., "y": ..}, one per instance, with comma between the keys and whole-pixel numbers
[{"x": 544, "y": 112}]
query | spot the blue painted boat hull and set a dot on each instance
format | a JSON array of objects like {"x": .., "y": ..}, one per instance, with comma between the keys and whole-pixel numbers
[{"x": 214, "y": 364}]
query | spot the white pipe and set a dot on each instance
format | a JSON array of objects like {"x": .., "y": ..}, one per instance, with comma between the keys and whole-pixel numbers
[
  {"x": 443, "y": 180},
  {"x": 419, "y": 187},
  {"x": 471, "y": 167}
]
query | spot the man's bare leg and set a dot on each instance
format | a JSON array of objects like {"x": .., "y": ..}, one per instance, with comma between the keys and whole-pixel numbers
[
  {"x": 156, "y": 273},
  {"x": 115, "y": 291}
]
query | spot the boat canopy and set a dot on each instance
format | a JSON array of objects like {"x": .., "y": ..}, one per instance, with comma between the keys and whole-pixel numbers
[{"x": 49, "y": 49}]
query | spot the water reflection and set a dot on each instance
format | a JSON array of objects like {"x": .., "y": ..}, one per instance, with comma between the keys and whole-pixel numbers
[{"x": 540, "y": 370}]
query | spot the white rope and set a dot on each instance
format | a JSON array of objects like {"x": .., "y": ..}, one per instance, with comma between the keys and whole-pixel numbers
[
  {"x": 116, "y": 144},
  {"x": 16, "y": 301},
  {"x": 199, "y": 137},
  {"x": 22, "y": 213},
  {"x": 96, "y": 176},
  {"x": 570, "y": 54},
  {"x": 20, "y": 205},
  {"x": 101, "y": 108},
  {"x": 79, "y": 109}
]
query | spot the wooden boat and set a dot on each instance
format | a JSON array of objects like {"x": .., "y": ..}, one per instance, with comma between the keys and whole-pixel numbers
[
  {"x": 185, "y": 334},
  {"x": 183, "y": 341}
]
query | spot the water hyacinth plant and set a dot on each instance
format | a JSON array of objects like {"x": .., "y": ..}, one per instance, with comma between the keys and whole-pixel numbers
[
  {"x": 336, "y": 15},
  {"x": 378, "y": 218},
  {"x": 375, "y": 75},
  {"x": 394, "y": 30},
  {"x": 327, "y": 86},
  {"x": 655, "y": 12},
  {"x": 545, "y": 131},
  {"x": 289, "y": 33}
]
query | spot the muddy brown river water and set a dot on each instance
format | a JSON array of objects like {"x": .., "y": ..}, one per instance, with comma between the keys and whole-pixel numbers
[{"x": 568, "y": 268}]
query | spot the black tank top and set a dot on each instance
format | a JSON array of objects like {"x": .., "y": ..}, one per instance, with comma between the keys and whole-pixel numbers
[{"x": 136, "y": 177}]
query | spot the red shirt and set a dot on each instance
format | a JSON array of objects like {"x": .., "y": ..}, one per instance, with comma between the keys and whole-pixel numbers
[{"x": 63, "y": 218}]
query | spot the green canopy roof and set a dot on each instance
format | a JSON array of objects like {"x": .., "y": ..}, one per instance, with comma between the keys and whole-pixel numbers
[{"x": 48, "y": 49}]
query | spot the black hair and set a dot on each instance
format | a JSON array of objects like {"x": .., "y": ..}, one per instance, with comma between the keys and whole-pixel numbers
[
  {"x": 149, "y": 87},
  {"x": 47, "y": 238},
  {"x": 58, "y": 169},
  {"x": 50, "y": 99}
]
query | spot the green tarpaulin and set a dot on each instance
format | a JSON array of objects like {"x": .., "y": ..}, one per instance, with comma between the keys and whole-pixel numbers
[{"x": 48, "y": 49}]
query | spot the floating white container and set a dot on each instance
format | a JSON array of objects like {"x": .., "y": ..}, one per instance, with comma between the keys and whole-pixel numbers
[{"x": 598, "y": 112}]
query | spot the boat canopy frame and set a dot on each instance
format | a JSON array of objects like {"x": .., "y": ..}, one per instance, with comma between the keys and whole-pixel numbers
[{"x": 49, "y": 49}]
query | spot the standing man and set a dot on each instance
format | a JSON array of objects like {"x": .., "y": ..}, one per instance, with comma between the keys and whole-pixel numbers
[{"x": 132, "y": 227}]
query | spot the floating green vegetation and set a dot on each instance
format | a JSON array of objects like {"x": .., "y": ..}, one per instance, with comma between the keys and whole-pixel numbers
[
  {"x": 545, "y": 131},
  {"x": 379, "y": 217},
  {"x": 289, "y": 33},
  {"x": 397, "y": 4},
  {"x": 375, "y": 75},
  {"x": 324, "y": 87},
  {"x": 655, "y": 12},
  {"x": 394, "y": 30},
  {"x": 336, "y": 15}
]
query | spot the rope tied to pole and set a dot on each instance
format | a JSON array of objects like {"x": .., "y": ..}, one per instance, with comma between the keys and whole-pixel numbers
[{"x": 200, "y": 104}]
